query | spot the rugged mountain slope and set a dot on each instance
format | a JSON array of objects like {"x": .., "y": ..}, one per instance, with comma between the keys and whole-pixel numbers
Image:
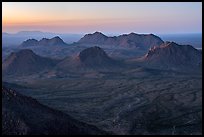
[
  {"x": 95, "y": 38},
  {"x": 173, "y": 56},
  {"x": 23, "y": 115},
  {"x": 132, "y": 40},
  {"x": 26, "y": 62},
  {"x": 55, "y": 41},
  {"x": 93, "y": 58},
  {"x": 29, "y": 43}
]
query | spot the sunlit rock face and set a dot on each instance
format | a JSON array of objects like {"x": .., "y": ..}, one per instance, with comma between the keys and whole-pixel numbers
[{"x": 173, "y": 56}]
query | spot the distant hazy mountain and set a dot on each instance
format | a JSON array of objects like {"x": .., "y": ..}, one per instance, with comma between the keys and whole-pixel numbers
[
  {"x": 132, "y": 40},
  {"x": 32, "y": 33},
  {"x": 194, "y": 39},
  {"x": 15, "y": 39},
  {"x": 23, "y": 115},
  {"x": 173, "y": 56},
  {"x": 56, "y": 41},
  {"x": 26, "y": 62},
  {"x": 91, "y": 58}
]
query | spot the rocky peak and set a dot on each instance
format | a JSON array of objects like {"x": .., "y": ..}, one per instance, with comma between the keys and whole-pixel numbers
[
  {"x": 95, "y": 38},
  {"x": 92, "y": 52},
  {"x": 98, "y": 33},
  {"x": 30, "y": 42},
  {"x": 57, "y": 39},
  {"x": 25, "y": 62},
  {"x": 172, "y": 55}
]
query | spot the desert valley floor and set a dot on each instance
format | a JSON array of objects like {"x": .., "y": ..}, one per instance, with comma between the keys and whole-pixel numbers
[{"x": 137, "y": 104}]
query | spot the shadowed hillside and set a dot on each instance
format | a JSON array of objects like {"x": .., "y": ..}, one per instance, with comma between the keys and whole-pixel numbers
[
  {"x": 93, "y": 58},
  {"x": 26, "y": 62},
  {"x": 23, "y": 115}
]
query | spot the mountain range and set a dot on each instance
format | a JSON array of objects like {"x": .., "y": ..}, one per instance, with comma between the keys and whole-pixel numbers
[
  {"x": 15, "y": 39},
  {"x": 168, "y": 56},
  {"x": 26, "y": 62},
  {"x": 55, "y": 41},
  {"x": 132, "y": 40}
]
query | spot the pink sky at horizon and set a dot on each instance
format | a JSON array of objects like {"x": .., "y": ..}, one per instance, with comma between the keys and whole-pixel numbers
[{"x": 105, "y": 17}]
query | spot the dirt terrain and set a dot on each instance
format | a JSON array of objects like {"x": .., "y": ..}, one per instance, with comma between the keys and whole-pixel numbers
[{"x": 136, "y": 102}]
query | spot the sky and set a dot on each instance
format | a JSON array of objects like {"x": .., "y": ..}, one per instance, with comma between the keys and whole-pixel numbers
[{"x": 106, "y": 17}]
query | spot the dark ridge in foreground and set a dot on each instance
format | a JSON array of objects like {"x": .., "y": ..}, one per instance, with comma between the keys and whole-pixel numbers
[{"x": 23, "y": 115}]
